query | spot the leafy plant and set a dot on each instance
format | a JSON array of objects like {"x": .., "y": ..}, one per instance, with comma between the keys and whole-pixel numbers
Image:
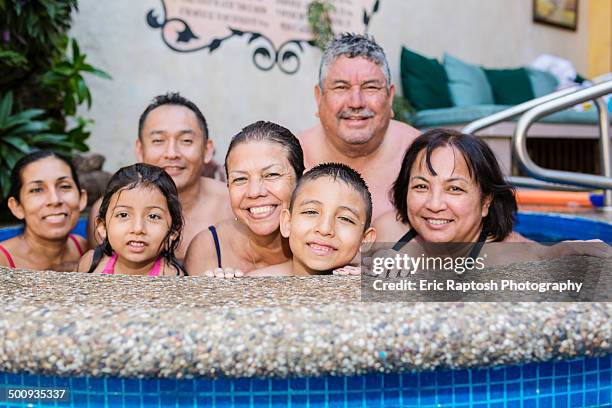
[
  {"x": 41, "y": 82},
  {"x": 21, "y": 133},
  {"x": 66, "y": 79},
  {"x": 319, "y": 18},
  {"x": 34, "y": 33},
  {"x": 403, "y": 110}
]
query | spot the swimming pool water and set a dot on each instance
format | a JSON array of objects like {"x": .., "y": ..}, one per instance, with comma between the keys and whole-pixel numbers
[
  {"x": 582, "y": 382},
  {"x": 10, "y": 232},
  {"x": 543, "y": 227}
]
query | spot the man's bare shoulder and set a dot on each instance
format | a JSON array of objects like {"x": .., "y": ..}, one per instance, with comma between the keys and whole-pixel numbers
[
  {"x": 214, "y": 196},
  {"x": 385, "y": 220},
  {"x": 389, "y": 228},
  {"x": 214, "y": 188},
  {"x": 309, "y": 134},
  {"x": 310, "y": 140},
  {"x": 402, "y": 133},
  {"x": 284, "y": 269}
]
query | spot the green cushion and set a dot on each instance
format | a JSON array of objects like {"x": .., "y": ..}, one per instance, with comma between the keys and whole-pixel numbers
[
  {"x": 467, "y": 83},
  {"x": 452, "y": 116},
  {"x": 424, "y": 81},
  {"x": 542, "y": 82},
  {"x": 461, "y": 115},
  {"x": 510, "y": 86}
]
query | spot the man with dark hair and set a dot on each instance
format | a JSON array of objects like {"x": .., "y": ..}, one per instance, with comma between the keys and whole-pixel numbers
[
  {"x": 173, "y": 134},
  {"x": 354, "y": 97}
]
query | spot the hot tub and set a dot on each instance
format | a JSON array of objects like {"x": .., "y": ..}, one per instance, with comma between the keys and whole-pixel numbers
[{"x": 114, "y": 341}]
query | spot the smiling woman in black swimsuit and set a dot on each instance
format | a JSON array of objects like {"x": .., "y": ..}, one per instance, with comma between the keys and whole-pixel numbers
[
  {"x": 263, "y": 163},
  {"x": 450, "y": 189}
]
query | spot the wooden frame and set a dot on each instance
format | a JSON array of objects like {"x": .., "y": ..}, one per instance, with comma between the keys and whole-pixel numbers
[{"x": 558, "y": 13}]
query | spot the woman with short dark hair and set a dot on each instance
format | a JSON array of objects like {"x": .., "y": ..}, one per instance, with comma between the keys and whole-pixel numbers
[{"x": 449, "y": 189}]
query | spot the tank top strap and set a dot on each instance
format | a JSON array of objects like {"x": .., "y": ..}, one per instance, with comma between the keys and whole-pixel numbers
[
  {"x": 8, "y": 256},
  {"x": 76, "y": 243},
  {"x": 213, "y": 232},
  {"x": 156, "y": 267},
  {"x": 109, "y": 269},
  {"x": 478, "y": 245},
  {"x": 407, "y": 237}
]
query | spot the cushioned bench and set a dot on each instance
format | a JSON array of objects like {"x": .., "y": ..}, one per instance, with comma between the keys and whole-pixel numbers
[{"x": 454, "y": 93}]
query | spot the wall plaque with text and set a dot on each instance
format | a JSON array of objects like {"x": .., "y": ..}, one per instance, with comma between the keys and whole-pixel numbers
[{"x": 277, "y": 29}]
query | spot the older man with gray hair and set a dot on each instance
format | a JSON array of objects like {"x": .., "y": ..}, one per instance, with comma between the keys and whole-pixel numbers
[{"x": 354, "y": 98}]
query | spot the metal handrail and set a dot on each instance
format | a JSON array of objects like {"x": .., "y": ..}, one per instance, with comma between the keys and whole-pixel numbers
[
  {"x": 530, "y": 182},
  {"x": 519, "y": 140},
  {"x": 509, "y": 113}
]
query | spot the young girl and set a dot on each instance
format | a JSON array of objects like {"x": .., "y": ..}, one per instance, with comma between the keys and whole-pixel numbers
[{"x": 140, "y": 223}]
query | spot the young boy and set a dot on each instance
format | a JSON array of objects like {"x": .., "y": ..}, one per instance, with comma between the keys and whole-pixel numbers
[{"x": 327, "y": 221}]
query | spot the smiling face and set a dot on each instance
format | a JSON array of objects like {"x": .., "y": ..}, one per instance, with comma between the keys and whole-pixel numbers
[
  {"x": 171, "y": 139},
  {"x": 260, "y": 181},
  {"x": 49, "y": 200},
  {"x": 136, "y": 223},
  {"x": 449, "y": 206},
  {"x": 326, "y": 226},
  {"x": 355, "y": 103}
]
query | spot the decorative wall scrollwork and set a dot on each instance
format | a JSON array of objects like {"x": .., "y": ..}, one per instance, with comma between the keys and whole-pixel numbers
[{"x": 183, "y": 30}]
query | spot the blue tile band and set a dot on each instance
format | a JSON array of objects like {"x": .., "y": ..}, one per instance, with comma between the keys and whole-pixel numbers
[{"x": 582, "y": 382}]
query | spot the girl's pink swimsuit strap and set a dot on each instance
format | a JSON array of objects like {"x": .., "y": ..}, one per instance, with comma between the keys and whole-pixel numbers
[{"x": 109, "y": 269}]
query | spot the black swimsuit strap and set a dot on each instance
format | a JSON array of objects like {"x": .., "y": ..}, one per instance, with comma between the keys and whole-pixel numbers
[
  {"x": 408, "y": 236},
  {"x": 213, "y": 232},
  {"x": 478, "y": 245}
]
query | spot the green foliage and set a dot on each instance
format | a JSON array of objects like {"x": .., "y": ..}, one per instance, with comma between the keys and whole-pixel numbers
[
  {"x": 403, "y": 109},
  {"x": 12, "y": 60},
  {"x": 34, "y": 31},
  {"x": 66, "y": 79},
  {"x": 23, "y": 132},
  {"x": 319, "y": 18},
  {"x": 41, "y": 82}
]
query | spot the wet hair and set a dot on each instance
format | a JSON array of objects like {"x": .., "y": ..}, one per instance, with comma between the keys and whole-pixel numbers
[
  {"x": 483, "y": 168},
  {"x": 344, "y": 173},
  {"x": 273, "y": 133},
  {"x": 17, "y": 172},
  {"x": 144, "y": 175},
  {"x": 173, "y": 98},
  {"x": 351, "y": 46}
]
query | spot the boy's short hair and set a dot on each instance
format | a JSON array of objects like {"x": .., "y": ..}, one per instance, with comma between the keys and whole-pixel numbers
[{"x": 338, "y": 171}]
